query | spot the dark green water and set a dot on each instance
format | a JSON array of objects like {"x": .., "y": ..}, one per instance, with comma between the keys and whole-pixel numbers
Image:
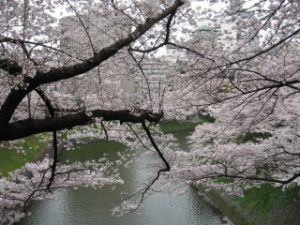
[{"x": 87, "y": 206}]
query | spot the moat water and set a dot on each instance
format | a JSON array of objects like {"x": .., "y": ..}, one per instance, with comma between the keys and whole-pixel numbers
[{"x": 87, "y": 206}]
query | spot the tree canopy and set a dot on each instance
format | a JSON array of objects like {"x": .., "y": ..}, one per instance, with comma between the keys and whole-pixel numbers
[{"x": 65, "y": 64}]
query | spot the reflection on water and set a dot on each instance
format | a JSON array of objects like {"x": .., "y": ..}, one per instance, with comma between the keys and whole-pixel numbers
[{"x": 87, "y": 206}]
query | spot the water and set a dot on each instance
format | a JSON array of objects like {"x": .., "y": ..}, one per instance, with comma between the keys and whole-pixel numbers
[{"x": 87, "y": 206}]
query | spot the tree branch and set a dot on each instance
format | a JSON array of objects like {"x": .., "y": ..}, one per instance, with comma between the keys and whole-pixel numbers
[
  {"x": 167, "y": 165},
  {"x": 56, "y": 74},
  {"x": 23, "y": 128}
]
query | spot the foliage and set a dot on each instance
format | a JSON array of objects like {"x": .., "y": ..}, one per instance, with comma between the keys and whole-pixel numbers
[
  {"x": 264, "y": 203},
  {"x": 261, "y": 199}
]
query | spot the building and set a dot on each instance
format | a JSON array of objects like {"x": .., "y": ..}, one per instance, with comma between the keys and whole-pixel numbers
[
  {"x": 151, "y": 82},
  {"x": 81, "y": 37}
]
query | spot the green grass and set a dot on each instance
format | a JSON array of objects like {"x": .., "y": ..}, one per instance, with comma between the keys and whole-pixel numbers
[
  {"x": 33, "y": 146},
  {"x": 11, "y": 160},
  {"x": 271, "y": 205},
  {"x": 260, "y": 199},
  {"x": 224, "y": 180},
  {"x": 175, "y": 126},
  {"x": 92, "y": 151},
  {"x": 251, "y": 136},
  {"x": 169, "y": 126},
  {"x": 182, "y": 129}
]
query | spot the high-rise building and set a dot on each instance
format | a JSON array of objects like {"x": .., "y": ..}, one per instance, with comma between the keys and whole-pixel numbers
[
  {"x": 152, "y": 81},
  {"x": 81, "y": 37}
]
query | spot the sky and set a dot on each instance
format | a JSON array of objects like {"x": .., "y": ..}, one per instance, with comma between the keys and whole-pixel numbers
[{"x": 181, "y": 34}]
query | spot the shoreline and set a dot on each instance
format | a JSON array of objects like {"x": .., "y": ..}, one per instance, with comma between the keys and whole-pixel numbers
[{"x": 231, "y": 212}]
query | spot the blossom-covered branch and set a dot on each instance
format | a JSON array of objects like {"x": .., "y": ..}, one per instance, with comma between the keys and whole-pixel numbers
[{"x": 23, "y": 128}]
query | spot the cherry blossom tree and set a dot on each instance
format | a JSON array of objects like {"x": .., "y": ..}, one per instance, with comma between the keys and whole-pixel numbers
[
  {"x": 242, "y": 67},
  {"x": 32, "y": 60},
  {"x": 44, "y": 72},
  {"x": 249, "y": 81}
]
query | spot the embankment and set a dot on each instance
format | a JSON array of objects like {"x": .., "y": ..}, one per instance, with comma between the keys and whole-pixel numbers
[{"x": 265, "y": 205}]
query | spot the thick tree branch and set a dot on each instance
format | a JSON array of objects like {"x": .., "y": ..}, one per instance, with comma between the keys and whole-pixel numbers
[
  {"x": 23, "y": 128},
  {"x": 166, "y": 41},
  {"x": 57, "y": 74}
]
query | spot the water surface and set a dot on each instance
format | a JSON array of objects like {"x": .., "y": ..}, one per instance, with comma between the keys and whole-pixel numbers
[{"x": 87, "y": 206}]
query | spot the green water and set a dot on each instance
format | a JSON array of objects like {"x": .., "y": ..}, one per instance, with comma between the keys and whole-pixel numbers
[{"x": 87, "y": 206}]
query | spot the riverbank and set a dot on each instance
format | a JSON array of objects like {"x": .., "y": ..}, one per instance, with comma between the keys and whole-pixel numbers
[
  {"x": 265, "y": 205},
  {"x": 25, "y": 150},
  {"x": 258, "y": 206}
]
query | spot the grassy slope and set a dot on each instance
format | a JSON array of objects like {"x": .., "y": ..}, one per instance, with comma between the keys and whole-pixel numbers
[
  {"x": 11, "y": 160},
  {"x": 182, "y": 129},
  {"x": 271, "y": 205},
  {"x": 170, "y": 126}
]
